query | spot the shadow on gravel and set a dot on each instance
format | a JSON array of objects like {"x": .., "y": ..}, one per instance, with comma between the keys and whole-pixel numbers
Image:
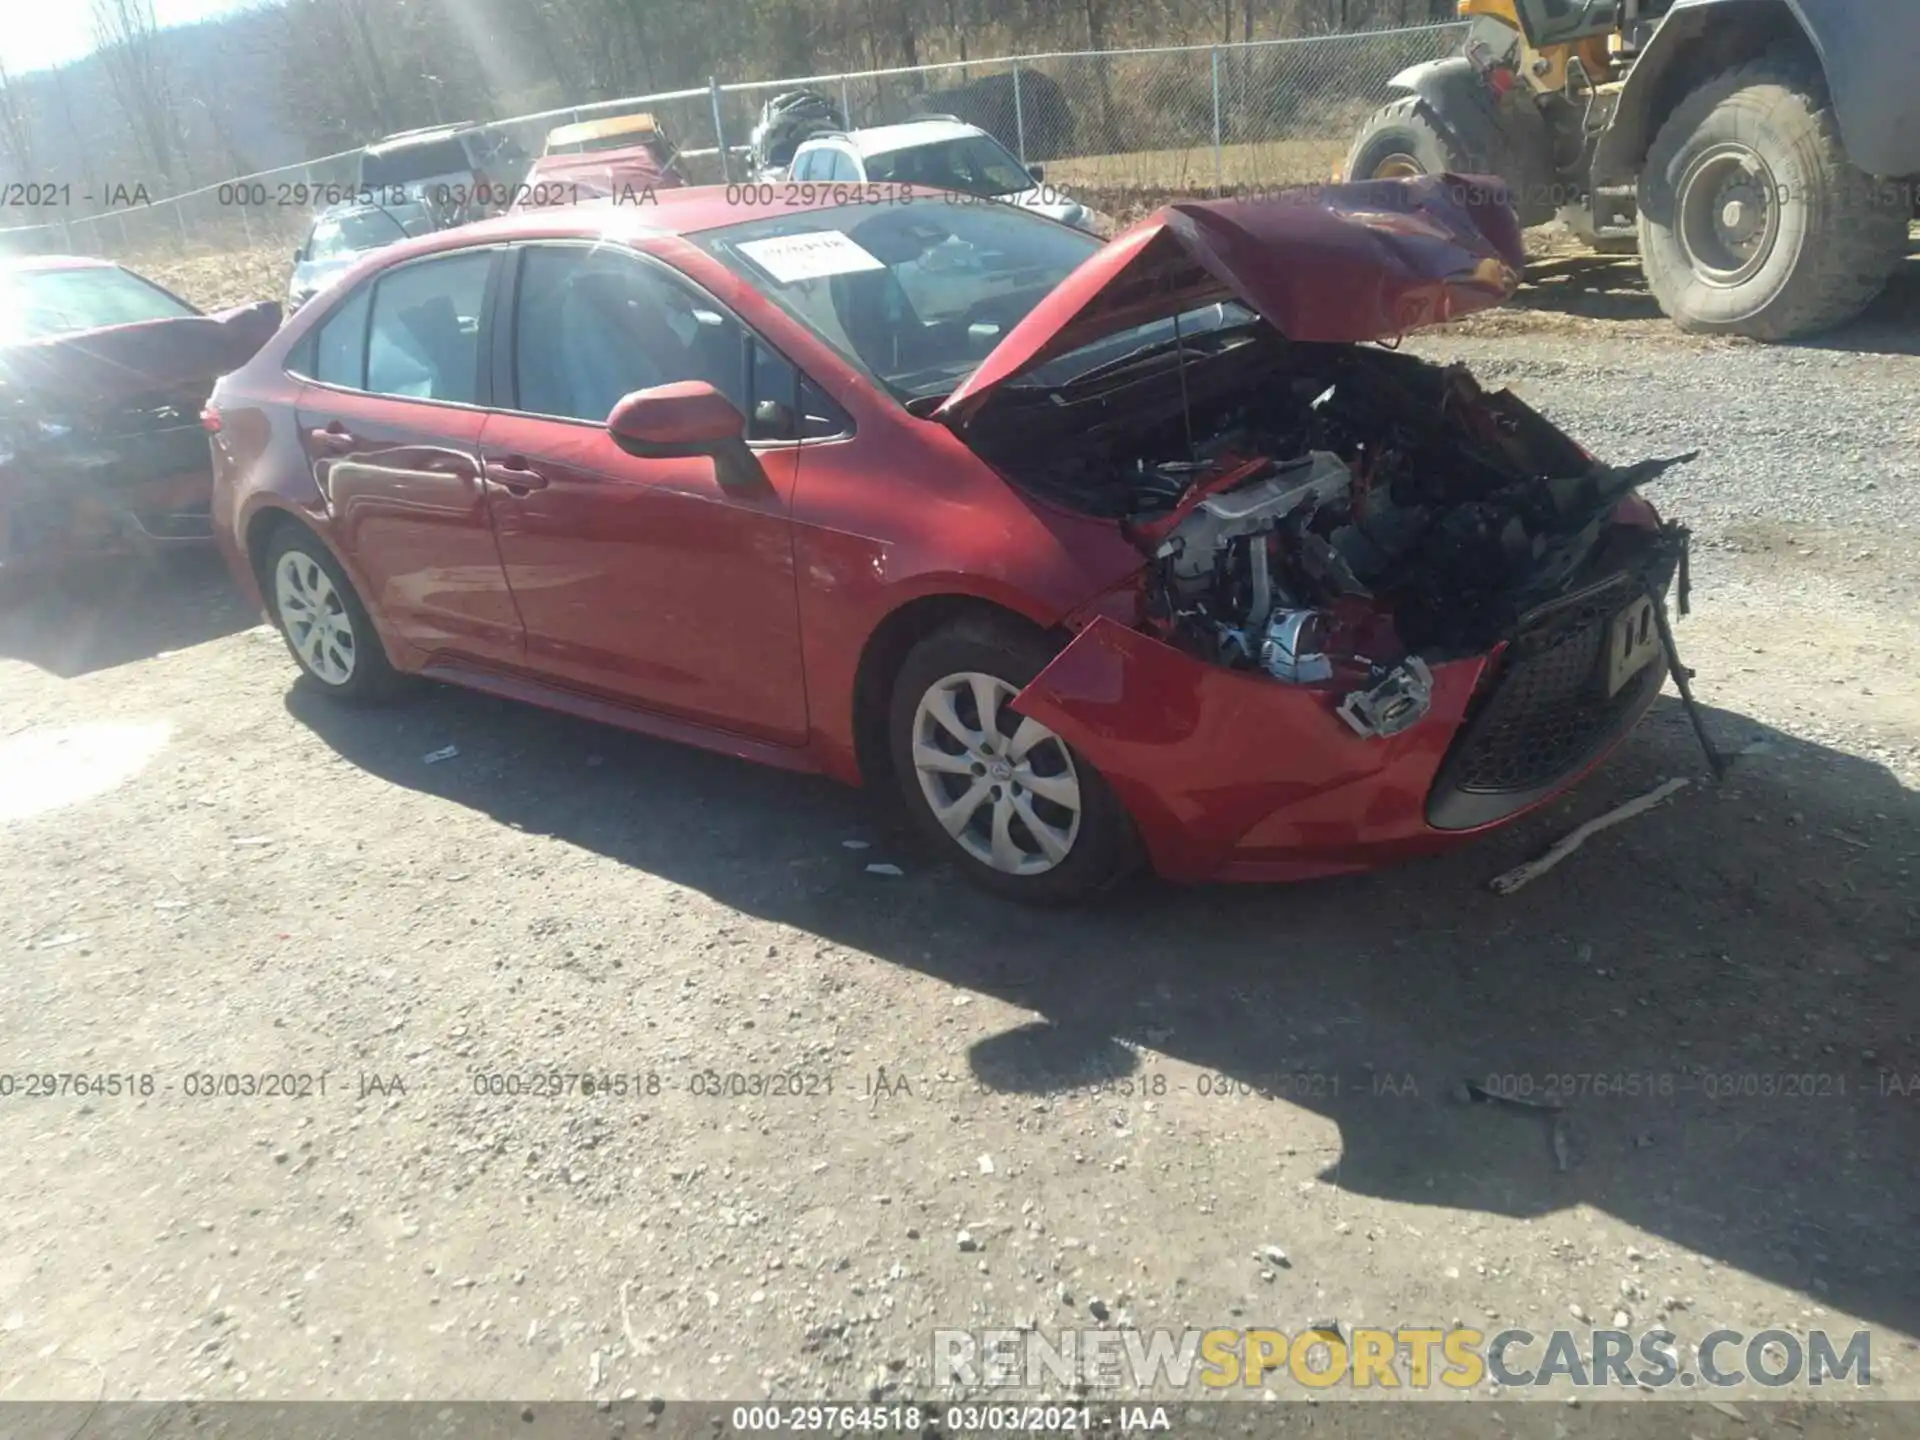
[
  {"x": 1721, "y": 994},
  {"x": 1594, "y": 287},
  {"x": 1613, "y": 288},
  {"x": 96, "y": 617}
]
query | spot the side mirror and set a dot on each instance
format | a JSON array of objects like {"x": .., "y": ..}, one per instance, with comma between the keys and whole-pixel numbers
[
  {"x": 300, "y": 256},
  {"x": 688, "y": 417},
  {"x": 1038, "y": 172}
]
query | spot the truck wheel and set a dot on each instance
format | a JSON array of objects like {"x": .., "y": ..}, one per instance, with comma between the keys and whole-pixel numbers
[
  {"x": 1409, "y": 137},
  {"x": 1752, "y": 220},
  {"x": 1403, "y": 140}
]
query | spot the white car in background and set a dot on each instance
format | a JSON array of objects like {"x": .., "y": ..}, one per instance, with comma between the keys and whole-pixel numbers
[{"x": 942, "y": 153}]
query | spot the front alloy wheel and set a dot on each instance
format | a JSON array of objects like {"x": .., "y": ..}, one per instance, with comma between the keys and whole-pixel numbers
[
  {"x": 1003, "y": 786},
  {"x": 998, "y": 792}
]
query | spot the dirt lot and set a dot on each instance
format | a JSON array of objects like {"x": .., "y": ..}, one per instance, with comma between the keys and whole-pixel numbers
[{"x": 205, "y": 871}]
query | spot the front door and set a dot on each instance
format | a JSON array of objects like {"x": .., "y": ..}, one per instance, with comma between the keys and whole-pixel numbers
[
  {"x": 653, "y": 582},
  {"x": 392, "y": 429}
]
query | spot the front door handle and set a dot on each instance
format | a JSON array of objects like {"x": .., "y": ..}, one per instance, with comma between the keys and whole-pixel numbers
[{"x": 513, "y": 473}]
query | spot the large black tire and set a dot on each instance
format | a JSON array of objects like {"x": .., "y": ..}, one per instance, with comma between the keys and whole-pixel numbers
[
  {"x": 1101, "y": 850},
  {"x": 1405, "y": 137},
  {"x": 1409, "y": 136},
  {"x": 370, "y": 677},
  {"x": 1837, "y": 235}
]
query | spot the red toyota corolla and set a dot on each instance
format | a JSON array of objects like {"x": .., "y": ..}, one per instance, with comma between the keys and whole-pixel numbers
[{"x": 1099, "y": 553}]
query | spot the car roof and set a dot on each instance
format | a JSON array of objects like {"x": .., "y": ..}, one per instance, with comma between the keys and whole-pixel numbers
[
  {"x": 423, "y": 136},
  {"x": 884, "y": 139},
  {"x": 676, "y": 210}
]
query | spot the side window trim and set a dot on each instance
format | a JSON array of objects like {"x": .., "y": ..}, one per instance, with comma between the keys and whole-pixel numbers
[
  {"x": 483, "y": 379},
  {"x": 505, "y": 318}
]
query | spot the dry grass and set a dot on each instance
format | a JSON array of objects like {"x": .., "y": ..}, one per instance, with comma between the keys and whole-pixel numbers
[
  {"x": 1192, "y": 171},
  {"x": 219, "y": 279}
]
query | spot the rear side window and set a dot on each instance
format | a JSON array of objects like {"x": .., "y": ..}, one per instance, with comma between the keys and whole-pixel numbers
[
  {"x": 423, "y": 340},
  {"x": 340, "y": 347}
]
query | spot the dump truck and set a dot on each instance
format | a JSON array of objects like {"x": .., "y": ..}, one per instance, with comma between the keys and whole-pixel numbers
[{"x": 1759, "y": 154}]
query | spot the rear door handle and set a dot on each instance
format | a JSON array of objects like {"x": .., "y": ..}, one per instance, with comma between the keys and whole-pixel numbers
[
  {"x": 332, "y": 439},
  {"x": 513, "y": 473}
]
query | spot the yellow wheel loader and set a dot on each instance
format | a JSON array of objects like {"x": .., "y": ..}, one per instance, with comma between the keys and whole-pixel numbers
[{"x": 1760, "y": 154}]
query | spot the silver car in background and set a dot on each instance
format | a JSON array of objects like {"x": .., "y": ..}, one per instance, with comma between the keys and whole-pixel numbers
[{"x": 342, "y": 233}]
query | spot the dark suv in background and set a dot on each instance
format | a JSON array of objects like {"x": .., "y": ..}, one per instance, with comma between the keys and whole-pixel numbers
[{"x": 464, "y": 170}]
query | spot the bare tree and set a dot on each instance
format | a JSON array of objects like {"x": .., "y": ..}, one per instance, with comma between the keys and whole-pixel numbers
[
  {"x": 16, "y": 127},
  {"x": 128, "y": 42}
]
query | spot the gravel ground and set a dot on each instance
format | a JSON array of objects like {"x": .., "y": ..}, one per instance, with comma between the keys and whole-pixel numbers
[{"x": 206, "y": 871}]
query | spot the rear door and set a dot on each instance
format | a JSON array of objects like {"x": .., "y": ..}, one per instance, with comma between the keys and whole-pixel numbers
[
  {"x": 1555, "y": 22},
  {"x": 649, "y": 581},
  {"x": 391, "y": 421}
]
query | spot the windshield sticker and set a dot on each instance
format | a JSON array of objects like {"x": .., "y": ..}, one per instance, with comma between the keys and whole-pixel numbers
[{"x": 812, "y": 256}]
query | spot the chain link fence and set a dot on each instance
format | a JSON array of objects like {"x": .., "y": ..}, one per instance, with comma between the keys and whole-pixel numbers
[{"x": 1115, "y": 129}]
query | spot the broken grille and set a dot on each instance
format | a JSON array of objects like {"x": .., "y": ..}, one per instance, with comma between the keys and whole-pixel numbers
[{"x": 1546, "y": 715}]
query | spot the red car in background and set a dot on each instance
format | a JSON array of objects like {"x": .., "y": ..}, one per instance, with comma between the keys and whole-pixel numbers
[
  {"x": 624, "y": 158},
  {"x": 1097, "y": 553},
  {"x": 102, "y": 378}
]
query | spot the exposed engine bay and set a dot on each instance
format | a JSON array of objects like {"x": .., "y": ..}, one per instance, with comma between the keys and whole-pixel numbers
[{"x": 1340, "y": 515}]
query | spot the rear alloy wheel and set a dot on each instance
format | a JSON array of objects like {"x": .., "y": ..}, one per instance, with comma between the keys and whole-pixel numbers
[
  {"x": 323, "y": 621},
  {"x": 1002, "y": 794},
  {"x": 1752, "y": 220}
]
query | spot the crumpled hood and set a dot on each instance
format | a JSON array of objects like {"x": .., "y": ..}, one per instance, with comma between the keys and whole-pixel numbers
[
  {"x": 1336, "y": 264},
  {"x": 92, "y": 367}
]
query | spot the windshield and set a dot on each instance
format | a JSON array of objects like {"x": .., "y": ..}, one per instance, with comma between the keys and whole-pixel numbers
[
  {"x": 916, "y": 294},
  {"x": 357, "y": 230},
  {"x": 973, "y": 164},
  {"x": 35, "y": 304}
]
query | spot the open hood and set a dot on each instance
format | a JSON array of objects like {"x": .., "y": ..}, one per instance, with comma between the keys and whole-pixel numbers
[
  {"x": 1334, "y": 264},
  {"x": 101, "y": 366}
]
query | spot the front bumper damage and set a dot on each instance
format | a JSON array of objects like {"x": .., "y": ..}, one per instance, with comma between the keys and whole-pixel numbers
[
  {"x": 1230, "y": 776},
  {"x": 71, "y": 496}
]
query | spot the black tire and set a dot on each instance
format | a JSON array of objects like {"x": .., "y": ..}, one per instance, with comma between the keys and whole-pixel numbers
[
  {"x": 372, "y": 678},
  {"x": 1837, "y": 234},
  {"x": 1410, "y": 133},
  {"x": 1406, "y": 134},
  {"x": 1103, "y": 850}
]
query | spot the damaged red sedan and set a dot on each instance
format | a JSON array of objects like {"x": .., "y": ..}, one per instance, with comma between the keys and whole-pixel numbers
[
  {"x": 102, "y": 377},
  {"x": 1100, "y": 554}
]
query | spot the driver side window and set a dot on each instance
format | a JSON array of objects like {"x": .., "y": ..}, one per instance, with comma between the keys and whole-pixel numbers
[{"x": 593, "y": 324}]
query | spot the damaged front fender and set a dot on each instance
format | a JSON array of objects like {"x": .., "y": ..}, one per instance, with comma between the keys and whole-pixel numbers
[{"x": 1229, "y": 774}]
